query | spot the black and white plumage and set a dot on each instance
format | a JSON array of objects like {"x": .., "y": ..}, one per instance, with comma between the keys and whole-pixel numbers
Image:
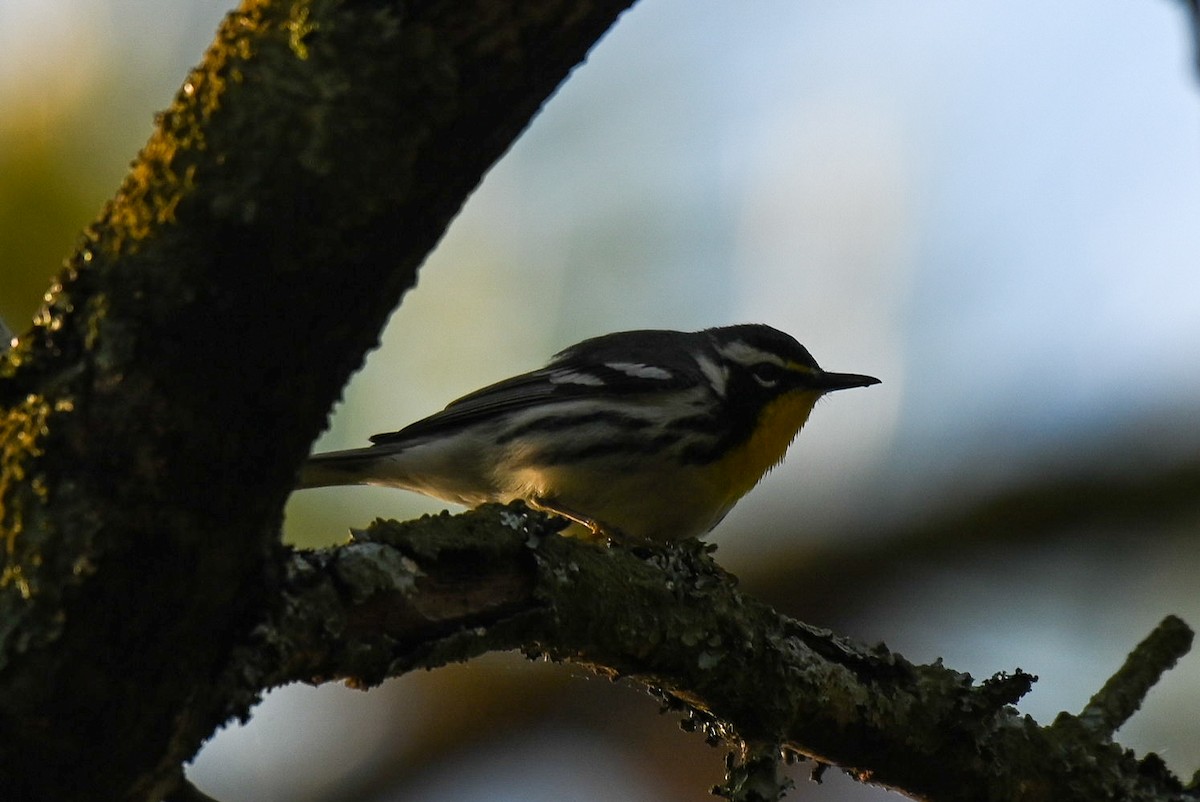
[{"x": 647, "y": 433}]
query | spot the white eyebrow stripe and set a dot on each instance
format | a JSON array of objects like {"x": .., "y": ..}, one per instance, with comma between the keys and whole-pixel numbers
[
  {"x": 716, "y": 375},
  {"x": 740, "y": 352},
  {"x": 639, "y": 371},
  {"x": 575, "y": 377}
]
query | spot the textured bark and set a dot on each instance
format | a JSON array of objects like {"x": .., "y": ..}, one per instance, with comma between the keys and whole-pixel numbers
[
  {"x": 421, "y": 594},
  {"x": 153, "y": 419}
]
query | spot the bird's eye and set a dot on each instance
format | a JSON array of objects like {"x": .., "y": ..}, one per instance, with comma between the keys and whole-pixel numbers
[{"x": 767, "y": 374}]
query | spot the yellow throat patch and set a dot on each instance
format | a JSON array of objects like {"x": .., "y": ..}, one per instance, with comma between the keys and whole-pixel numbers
[{"x": 778, "y": 424}]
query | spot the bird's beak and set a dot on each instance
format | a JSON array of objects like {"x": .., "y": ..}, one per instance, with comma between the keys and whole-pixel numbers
[{"x": 827, "y": 382}]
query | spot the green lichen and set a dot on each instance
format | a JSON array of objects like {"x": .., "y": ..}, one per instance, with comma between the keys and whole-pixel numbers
[
  {"x": 431, "y": 535},
  {"x": 299, "y": 26},
  {"x": 22, "y": 432},
  {"x": 165, "y": 172},
  {"x": 98, "y": 306},
  {"x": 375, "y": 568}
]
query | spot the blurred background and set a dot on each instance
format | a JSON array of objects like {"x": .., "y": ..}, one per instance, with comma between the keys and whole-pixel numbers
[{"x": 992, "y": 206}]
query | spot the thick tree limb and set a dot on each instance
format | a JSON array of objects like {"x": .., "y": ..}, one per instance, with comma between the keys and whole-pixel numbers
[
  {"x": 421, "y": 594},
  {"x": 152, "y": 421}
]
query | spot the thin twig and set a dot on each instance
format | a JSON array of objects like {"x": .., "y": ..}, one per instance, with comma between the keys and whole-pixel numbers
[{"x": 1122, "y": 695}]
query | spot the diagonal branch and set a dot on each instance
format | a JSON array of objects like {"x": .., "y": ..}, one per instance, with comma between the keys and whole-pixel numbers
[
  {"x": 443, "y": 589},
  {"x": 152, "y": 420},
  {"x": 1122, "y": 695}
]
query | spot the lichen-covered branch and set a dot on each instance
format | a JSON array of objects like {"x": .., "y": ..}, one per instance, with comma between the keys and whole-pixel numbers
[
  {"x": 153, "y": 418},
  {"x": 420, "y": 594},
  {"x": 1124, "y": 692}
]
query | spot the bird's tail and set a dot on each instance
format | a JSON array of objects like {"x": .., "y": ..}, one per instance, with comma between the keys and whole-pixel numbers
[{"x": 352, "y": 467}]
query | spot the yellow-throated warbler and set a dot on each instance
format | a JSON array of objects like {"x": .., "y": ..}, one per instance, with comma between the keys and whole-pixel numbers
[{"x": 651, "y": 434}]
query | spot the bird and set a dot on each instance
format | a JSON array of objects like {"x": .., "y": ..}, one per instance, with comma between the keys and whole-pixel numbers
[{"x": 634, "y": 435}]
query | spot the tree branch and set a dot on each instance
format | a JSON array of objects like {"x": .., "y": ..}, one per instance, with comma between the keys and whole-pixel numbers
[
  {"x": 1124, "y": 692},
  {"x": 443, "y": 589},
  {"x": 153, "y": 418}
]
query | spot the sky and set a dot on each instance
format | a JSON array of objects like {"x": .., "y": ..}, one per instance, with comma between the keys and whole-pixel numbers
[{"x": 989, "y": 207}]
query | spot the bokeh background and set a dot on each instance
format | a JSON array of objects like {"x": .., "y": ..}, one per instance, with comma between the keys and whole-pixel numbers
[{"x": 994, "y": 207}]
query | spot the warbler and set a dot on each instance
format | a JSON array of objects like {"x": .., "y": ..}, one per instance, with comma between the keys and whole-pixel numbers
[{"x": 639, "y": 434}]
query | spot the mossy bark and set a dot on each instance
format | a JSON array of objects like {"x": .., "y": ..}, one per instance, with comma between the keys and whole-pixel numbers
[
  {"x": 190, "y": 350},
  {"x": 424, "y": 593}
]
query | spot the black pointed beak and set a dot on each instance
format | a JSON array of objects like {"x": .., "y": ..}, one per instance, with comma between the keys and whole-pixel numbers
[{"x": 828, "y": 382}]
